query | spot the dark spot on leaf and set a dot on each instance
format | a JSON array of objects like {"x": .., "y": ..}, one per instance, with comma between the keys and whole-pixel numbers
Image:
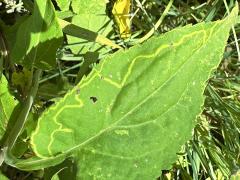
[
  {"x": 78, "y": 91},
  {"x": 94, "y": 99}
]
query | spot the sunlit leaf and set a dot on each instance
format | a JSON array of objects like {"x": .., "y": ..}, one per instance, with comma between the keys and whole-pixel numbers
[
  {"x": 35, "y": 39},
  {"x": 2, "y": 177},
  {"x": 7, "y": 104},
  {"x": 92, "y": 16},
  {"x": 63, "y": 4},
  {"x": 131, "y": 114}
]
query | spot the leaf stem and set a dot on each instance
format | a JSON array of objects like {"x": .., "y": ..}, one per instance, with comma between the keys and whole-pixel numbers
[
  {"x": 77, "y": 31},
  {"x": 27, "y": 104},
  {"x": 21, "y": 120}
]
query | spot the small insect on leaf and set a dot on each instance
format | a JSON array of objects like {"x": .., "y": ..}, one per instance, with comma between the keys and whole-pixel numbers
[{"x": 120, "y": 12}]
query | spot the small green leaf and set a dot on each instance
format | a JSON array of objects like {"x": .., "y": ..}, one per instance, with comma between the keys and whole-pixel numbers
[
  {"x": 35, "y": 39},
  {"x": 132, "y": 113}
]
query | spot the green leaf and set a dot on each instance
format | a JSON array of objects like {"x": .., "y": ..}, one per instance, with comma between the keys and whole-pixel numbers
[
  {"x": 7, "y": 104},
  {"x": 87, "y": 7},
  {"x": 90, "y": 15},
  {"x": 2, "y": 177},
  {"x": 63, "y": 4},
  {"x": 35, "y": 39},
  {"x": 64, "y": 14},
  {"x": 77, "y": 31},
  {"x": 135, "y": 110}
]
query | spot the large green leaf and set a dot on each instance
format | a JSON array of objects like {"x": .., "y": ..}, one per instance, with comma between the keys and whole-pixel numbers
[
  {"x": 7, "y": 104},
  {"x": 34, "y": 40},
  {"x": 130, "y": 116},
  {"x": 90, "y": 15}
]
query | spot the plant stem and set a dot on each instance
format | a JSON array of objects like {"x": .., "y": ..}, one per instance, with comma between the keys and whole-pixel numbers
[
  {"x": 3, "y": 53},
  {"x": 25, "y": 111},
  {"x": 21, "y": 120}
]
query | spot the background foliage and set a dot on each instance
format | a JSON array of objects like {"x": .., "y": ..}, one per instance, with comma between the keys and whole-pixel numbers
[{"x": 213, "y": 153}]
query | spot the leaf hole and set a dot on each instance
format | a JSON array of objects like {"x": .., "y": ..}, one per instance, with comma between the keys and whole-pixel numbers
[{"x": 93, "y": 99}]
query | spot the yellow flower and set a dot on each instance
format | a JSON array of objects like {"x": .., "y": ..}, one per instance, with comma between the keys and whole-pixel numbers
[{"x": 121, "y": 10}]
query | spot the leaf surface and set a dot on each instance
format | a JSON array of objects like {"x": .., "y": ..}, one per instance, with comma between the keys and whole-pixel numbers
[
  {"x": 35, "y": 39},
  {"x": 85, "y": 7},
  {"x": 63, "y": 4},
  {"x": 132, "y": 113},
  {"x": 7, "y": 104},
  {"x": 3, "y": 177},
  {"x": 91, "y": 15}
]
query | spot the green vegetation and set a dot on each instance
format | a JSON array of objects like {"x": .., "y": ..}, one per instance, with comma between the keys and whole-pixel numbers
[{"x": 119, "y": 89}]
